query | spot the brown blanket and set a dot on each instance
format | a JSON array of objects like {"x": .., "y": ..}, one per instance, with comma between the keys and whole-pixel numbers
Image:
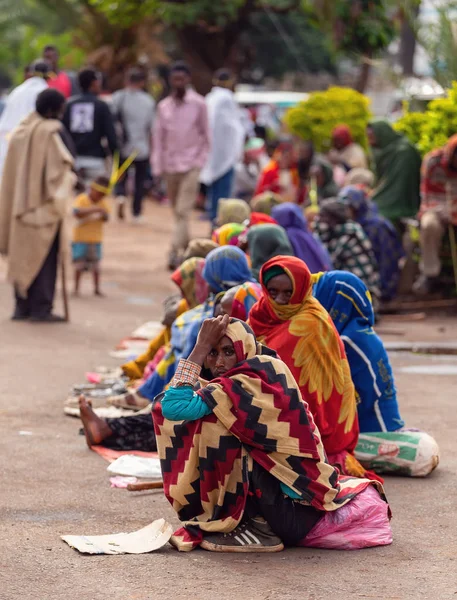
[{"x": 36, "y": 190}]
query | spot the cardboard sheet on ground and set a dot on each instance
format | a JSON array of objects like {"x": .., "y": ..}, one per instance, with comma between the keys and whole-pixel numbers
[
  {"x": 111, "y": 455},
  {"x": 150, "y": 538},
  {"x": 136, "y": 466},
  {"x": 148, "y": 330}
]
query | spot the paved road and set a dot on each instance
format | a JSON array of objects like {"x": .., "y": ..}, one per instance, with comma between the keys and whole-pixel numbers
[{"x": 51, "y": 484}]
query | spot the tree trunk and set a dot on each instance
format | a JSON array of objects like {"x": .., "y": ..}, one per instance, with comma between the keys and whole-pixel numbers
[
  {"x": 364, "y": 74},
  {"x": 206, "y": 51},
  {"x": 408, "y": 43}
]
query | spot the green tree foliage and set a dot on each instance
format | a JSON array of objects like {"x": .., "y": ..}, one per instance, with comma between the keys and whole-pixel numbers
[
  {"x": 431, "y": 129},
  {"x": 315, "y": 119},
  {"x": 300, "y": 47},
  {"x": 440, "y": 40},
  {"x": 28, "y": 25}
]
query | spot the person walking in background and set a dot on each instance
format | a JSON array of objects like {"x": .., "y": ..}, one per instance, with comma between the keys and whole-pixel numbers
[
  {"x": 91, "y": 211},
  {"x": 21, "y": 102},
  {"x": 180, "y": 150},
  {"x": 134, "y": 110},
  {"x": 227, "y": 138},
  {"x": 90, "y": 122},
  {"x": 36, "y": 186},
  {"x": 59, "y": 79}
]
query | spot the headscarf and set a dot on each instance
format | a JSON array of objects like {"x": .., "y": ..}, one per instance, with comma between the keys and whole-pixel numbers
[
  {"x": 199, "y": 248},
  {"x": 304, "y": 336},
  {"x": 258, "y": 218},
  {"x": 359, "y": 176},
  {"x": 264, "y": 203},
  {"x": 398, "y": 166},
  {"x": 348, "y": 302},
  {"x": 189, "y": 278},
  {"x": 304, "y": 244},
  {"x": 265, "y": 242},
  {"x": 257, "y": 416},
  {"x": 335, "y": 209},
  {"x": 245, "y": 297},
  {"x": 349, "y": 247},
  {"x": 228, "y": 234},
  {"x": 385, "y": 241},
  {"x": 343, "y": 135},
  {"x": 226, "y": 267},
  {"x": 232, "y": 210}
]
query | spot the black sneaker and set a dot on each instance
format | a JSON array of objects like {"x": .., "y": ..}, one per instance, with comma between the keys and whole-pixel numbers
[{"x": 252, "y": 535}]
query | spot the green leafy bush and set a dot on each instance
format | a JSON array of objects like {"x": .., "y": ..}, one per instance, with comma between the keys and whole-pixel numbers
[
  {"x": 315, "y": 119},
  {"x": 431, "y": 129}
]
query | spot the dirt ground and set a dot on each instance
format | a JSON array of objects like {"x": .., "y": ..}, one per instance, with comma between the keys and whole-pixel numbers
[{"x": 52, "y": 485}]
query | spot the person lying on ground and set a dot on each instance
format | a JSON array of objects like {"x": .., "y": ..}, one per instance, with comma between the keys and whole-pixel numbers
[
  {"x": 384, "y": 444},
  {"x": 242, "y": 461}
]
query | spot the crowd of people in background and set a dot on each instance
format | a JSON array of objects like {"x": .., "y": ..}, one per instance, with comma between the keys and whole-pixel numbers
[
  {"x": 272, "y": 397},
  {"x": 357, "y": 202}
]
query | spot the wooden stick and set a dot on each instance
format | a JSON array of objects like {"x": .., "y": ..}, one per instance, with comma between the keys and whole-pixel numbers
[
  {"x": 145, "y": 485},
  {"x": 66, "y": 307}
]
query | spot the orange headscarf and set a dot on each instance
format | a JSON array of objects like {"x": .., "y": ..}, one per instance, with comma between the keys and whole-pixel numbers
[{"x": 303, "y": 335}]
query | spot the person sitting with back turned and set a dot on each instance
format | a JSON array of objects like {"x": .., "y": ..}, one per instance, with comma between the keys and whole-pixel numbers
[
  {"x": 36, "y": 187},
  {"x": 384, "y": 444}
]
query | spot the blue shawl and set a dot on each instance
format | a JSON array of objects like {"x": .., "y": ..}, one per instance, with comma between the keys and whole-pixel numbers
[{"x": 348, "y": 301}]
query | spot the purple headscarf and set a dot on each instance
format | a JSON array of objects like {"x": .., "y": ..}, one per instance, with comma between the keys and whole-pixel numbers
[{"x": 304, "y": 244}]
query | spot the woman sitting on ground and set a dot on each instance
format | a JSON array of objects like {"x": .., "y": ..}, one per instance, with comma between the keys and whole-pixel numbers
[
  {"x": 242, "y": 461},
  {"x": 304, "y": 244},
  {"x": 225, "y": 267},
  {"x": 137, "y": 432},
  {"x": 384, "y": 444},
  {"x": 384, "y": 238},
  {"x": 228, "y": 234},
  {"x": 194, "y": 291},
  {"x": 290, "y": 321},
  {"x": 232, "y": 210},
  {"x": 347, "y": 243}
]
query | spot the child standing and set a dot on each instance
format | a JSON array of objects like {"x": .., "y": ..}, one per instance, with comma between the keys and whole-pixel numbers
[{"x": 91, "y": 210}]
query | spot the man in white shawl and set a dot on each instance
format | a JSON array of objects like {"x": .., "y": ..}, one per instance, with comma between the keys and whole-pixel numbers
[
  {"x": 36, "y": 189},
  {"x": 20, "y": 103},
  {"x": 227, "y": 140}
]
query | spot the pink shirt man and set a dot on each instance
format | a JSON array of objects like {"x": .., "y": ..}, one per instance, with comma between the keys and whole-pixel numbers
[{"x": 181, "y": 134}]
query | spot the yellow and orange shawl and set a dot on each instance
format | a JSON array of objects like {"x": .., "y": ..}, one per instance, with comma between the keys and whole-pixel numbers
[{"x": 303, "y": 335}]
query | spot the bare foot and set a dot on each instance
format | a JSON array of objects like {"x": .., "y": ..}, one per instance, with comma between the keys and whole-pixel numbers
[{"x": 95, "y": 429}]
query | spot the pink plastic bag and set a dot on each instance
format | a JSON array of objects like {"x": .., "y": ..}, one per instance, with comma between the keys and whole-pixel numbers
[{"x": 362, "y": 523}]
